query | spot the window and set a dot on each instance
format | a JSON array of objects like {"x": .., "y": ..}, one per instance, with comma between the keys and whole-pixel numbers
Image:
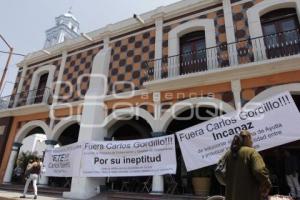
[
  {"x": 39, "y": 95},
  {"x": 193, "y": 52},
  {"x": 281, "y": 32}
]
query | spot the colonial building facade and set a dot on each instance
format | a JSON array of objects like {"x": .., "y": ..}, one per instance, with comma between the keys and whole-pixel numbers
[{"x": 144, "y": 78}]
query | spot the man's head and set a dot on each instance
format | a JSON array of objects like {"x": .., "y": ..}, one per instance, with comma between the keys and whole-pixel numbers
[{"x": 246, "y": 138}]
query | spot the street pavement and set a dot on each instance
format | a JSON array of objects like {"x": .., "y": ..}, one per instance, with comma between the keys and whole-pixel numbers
[{"x": 10, "y": 195}]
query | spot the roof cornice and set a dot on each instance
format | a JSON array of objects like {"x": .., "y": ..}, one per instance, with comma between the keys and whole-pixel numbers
[{"x": 121, "y": 27}]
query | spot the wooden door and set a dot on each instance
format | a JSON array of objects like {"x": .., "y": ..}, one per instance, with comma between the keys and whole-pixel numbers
[
  {"x": 281, "y": 33},
  {"x": 39, "y": 95},
  {"x": 193, "y": 53}
]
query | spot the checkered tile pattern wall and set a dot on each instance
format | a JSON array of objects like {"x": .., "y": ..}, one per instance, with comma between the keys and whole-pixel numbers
[
  {"x": 28, "y": 78},
  {"x": 15, "y": 89},
  {"x": 242, "y": 35},
  {"x": 17, "y": 81},
  {"x": 221, "y": 40},
  {"x": 77, "y": 67},
  {"x": 127, "y": 63},
  {"x": 219, "y": 21}
]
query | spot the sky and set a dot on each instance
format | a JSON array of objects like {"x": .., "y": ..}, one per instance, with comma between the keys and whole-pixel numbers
[{"x": 23, "y": 22}]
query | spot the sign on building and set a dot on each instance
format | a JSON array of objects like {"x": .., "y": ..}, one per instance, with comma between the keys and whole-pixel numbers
[
  {"x": 273, "y": 122},
  {"x": 147, "y": 157},
  {"x": 63, "y": 161}
]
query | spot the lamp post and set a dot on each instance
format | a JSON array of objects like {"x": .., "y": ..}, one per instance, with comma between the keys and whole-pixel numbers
[{"x": 7, "y": 62}]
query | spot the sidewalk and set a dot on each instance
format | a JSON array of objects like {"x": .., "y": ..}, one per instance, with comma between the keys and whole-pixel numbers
[{"x": 10, "y": 195}]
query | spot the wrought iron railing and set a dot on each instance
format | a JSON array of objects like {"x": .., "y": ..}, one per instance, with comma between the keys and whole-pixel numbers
[
  {"x": 30, "y": 97},
  {"x": 242, "y": 52}
]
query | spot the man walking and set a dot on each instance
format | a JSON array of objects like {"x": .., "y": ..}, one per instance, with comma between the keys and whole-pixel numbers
[{"x": 33, "y": 170}]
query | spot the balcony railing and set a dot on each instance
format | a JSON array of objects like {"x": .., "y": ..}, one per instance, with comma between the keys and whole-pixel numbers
[
  {"x": 242, "y": 52},
  {"x": 37, "y": 96}
]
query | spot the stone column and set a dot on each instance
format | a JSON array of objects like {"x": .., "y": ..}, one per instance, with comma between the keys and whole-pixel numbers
[
  {"x": 158, "y": 45},
  {"x": 236, "y": 90},
  {"x": 43, "y": 180},
  {"x": 91, "y": 127},
  {"x": 158, "y": 181},
  {"x": 230, "y": 33},
  {"x": 11, "y": 163}
]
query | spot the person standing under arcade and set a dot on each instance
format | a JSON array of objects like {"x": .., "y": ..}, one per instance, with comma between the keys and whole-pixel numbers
[{"x": 247, "y": 177}]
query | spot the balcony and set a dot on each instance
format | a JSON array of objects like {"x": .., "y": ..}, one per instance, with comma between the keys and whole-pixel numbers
[
  {"x": 257, "y": 50},
  {"x": 37, "y": 96}
]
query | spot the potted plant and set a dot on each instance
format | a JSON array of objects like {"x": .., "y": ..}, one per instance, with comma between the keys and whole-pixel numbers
[{"x": 201, "y": 180}]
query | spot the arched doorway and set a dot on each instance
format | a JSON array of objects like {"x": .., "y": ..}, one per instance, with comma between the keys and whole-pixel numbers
[
  {"x": 30, "y": 138},
  {"x": 183, "y": 120},
  {"x": 33, "y": 142},
  {"x": 32, "y": 147},
  {"x": 41, "y": 88},
  {"x": 193, "y": 52},
  {"x": 131, "y": 129},
  {"x": 69, "y": 135},
  {"x": 66, "y": 136},
  {"x": 275, "y": 159}
]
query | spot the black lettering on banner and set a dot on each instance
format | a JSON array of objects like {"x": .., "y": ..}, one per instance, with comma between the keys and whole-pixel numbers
[
  {"x": 115, "y": 161},
  {"x": 250, "y": 125},
  {"x": 142, "y": 159},
  {"x": 58, "y": 158},
  {"x": 268, "y": 106},
  {"x": 100, "y": 161},
  {"x": 191, "y": 135},
  {"x": 232, "y": 131}
]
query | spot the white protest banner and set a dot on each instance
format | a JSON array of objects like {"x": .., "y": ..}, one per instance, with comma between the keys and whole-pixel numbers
[
  {"x": 63, "y": 161},
  {"x": 147, "y": 157},
  {"x": 273, "y": 122}
]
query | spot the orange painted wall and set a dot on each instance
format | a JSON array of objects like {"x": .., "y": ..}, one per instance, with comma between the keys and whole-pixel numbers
[
  {"x": 11, "y": 137},
  {"x": 282, "y": 78},
  {"x": 77, "y": 110},
  {"x": 14, "y": 129},
  {"x": 134, "y": 101},
  {"x": 200, "y": 90},
  {"x": 8, "y": 148}
]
